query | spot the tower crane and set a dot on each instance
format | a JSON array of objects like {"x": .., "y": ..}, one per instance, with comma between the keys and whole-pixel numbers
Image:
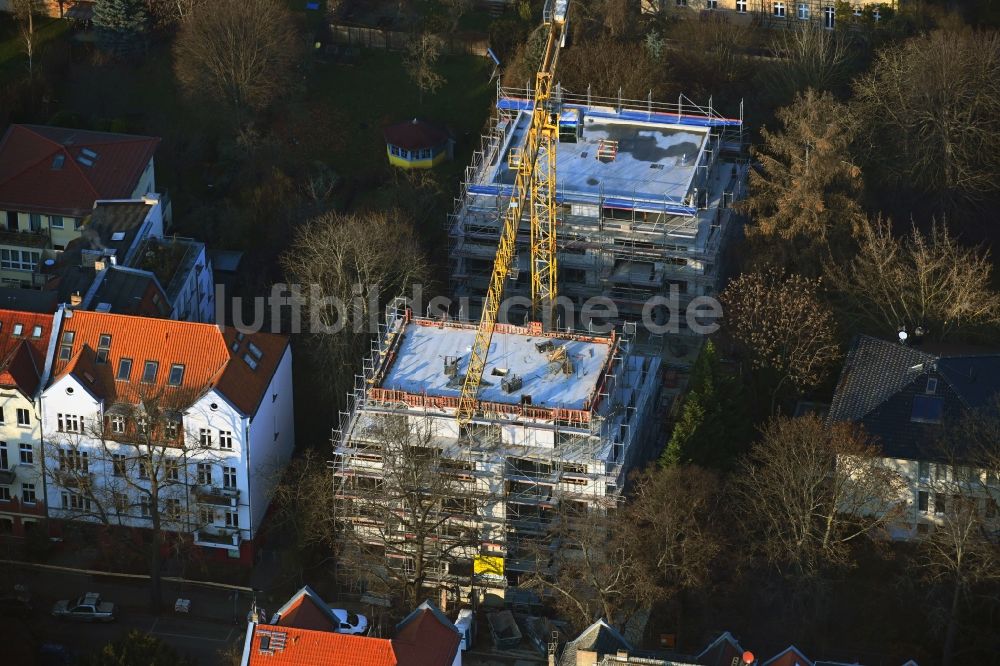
[{"x": 534, "y": 165}]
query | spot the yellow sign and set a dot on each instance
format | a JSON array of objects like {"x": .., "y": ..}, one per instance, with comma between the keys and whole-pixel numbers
[{"x": 488, "y": 565}]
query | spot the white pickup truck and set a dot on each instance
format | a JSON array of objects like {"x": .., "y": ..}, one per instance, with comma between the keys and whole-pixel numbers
[{"x": 88, "y": 608}]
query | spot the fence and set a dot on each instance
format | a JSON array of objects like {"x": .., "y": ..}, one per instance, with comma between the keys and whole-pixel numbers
[{"x": 395, "y": 40}]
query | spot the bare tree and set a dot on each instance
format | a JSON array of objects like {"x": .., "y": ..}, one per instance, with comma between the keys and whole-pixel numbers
[
  {"x": 811, "y": 57},
  {"x": 594, "y": 571},
  {"x": 351, "y": 264},
  {"x": 303, "y": 499},
  {"x": 781, "y": 324},
  {"x": 24, "y": 13},
  {"x": 136, "y": 465},
  {"x": 241, "y": 53},
  {"x": 930, "y": 112},
  {"x": 421, "y": 58},
  {"x": 806, "y": 190},
  {"x": 930, "y": 281},
  {"x": 409, "y": 514},
  {"x": 456, "y": 9},
  {"x": 808, "y": 490}
]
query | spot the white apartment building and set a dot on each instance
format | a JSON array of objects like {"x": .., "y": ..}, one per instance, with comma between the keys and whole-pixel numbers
[{"x": 226, "y": 433}]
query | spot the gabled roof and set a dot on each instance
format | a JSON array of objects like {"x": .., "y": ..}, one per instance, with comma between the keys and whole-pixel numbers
[
  {"x": 790, "y": 656},
  {"x": 212, "y": 357},
  {"x": 305, "y": 610},
  {"x": 273, "y": 645},
  {"x": 24, "y": 340},
  {"x": 721, "y": 652},
  {"x": 63, "y": 171},
  {"x": 901, "y": 395},
  {"x": 426, "y": 637},
  {"x": 600, "y": 637}
]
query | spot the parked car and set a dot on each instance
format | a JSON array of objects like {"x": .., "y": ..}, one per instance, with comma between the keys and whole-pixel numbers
[
  {"x": 350, "y": 623},
  {"x": 88, "y": 608}
]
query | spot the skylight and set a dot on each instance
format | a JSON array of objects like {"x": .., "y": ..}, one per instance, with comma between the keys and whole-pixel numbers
[
  {"x": 176, "y": 374},
  {"x": 251, "y": 361},
  {"x": 89, "y": 153},
  {"x": 118, "y": 236},
  {"x": 255, "y": 350},
  {"x": 149, "y": 372},
  {"x": 58, "y": 161},
  {"x": 85, "y": 161},
  {"x": 18, "y": 329}
]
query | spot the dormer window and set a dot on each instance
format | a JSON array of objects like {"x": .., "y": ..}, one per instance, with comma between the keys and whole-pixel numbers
[
  {"x": 66, "y": 348},
  {"x": 103, "y": 348},
  {"x": 149, "y": 372},
  {"x": 931, "y": 385},
  {"x": 176, "y": 375}
]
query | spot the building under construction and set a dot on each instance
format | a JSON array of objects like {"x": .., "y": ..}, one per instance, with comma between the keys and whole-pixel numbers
[
  {"x": 563, "y": 418},
  {"x": 644, "y": 192}
]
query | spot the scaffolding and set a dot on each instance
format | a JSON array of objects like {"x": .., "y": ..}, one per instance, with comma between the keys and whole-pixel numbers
[
  {"x": 530, "y": 462},
  {"x": 624, "y": 244}
]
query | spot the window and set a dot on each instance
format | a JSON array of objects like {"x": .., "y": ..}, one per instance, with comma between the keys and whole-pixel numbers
[
  {"x": 829, "y": 16},
  {"x": 232, "y": 519},
  {"x": 118, "y": 423},
  {"x": 35, "y": 221},
  {"x": 3, "y": 419},
  {"x": 28, "y": 493},
  {"x": 940, "y": 504},
  {"x": 144, "y": 469},
  {"x": 922, "y": 501},
  {"x": 74, "y": 460},
  {"x": 206, "y": 516},
  {"x": 170, "y": 429},
  {"x": 77, "y": 223},
  {"x": 225, "y": 439},
  {"x": 19, "y": 260},
  {"x": 205, "y": 437},
  {"x": 680, "y": 3},
  {"x": 103, "y": 348},
  {"x": 23, "y": 417},
  {"x": 36, "y": 331},
  {"x": 173, "y": 469},
  {"x": 856, "y": 10},
  {"x": 712, "y": 4},
  {"x": 779, "y": 9},
  {"x": 924, "y": 471},
  {"x": 172, "y": 508},
  {"x": 149, "y": 372},
  {"x": 804, "y": 11},
  {"x": 75, "y": 502},
  {"x": 120, "y": 501},
  {"x": 144, "y": 506},
  {"x": 205, "y": 474},
  {"x": 69, "y": 423},
  {"x": 940, "y": 472},
  {"x": 876, "y": 14},
  {"x": 124, "y": 369},
  {"x": 27, "y": 454},
  {"x": 56, "y": 221},
  {"x": 118, "y": 464},
  {"x": 18, "y": 329},
  {"x": 4, "y": 462},
  {"x": 4, "y": 493},
  {"x": 741, "y": 6},
  {"x": 176, "y": 374},
  {"x": 229, "y": 477}
]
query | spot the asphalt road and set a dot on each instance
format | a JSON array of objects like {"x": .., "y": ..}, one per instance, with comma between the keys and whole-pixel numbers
[{"x": 209, "y": 627}]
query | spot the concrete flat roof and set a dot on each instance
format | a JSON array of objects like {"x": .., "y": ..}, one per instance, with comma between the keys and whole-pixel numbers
[
  {"x": 419, "y": 364},
  {"x": 655, "y": 162}
]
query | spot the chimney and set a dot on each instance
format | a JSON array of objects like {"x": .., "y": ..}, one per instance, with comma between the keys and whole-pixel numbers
[
  {"x": 99, "y": 265},
  {"x": 75, "y": 299},
  {"x": 586, "y": 658}
]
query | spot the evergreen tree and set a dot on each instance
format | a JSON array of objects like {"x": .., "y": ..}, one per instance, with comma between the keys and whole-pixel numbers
[
  {"x": 120, "y": 24},
  {"x": 713, "y": 425}
]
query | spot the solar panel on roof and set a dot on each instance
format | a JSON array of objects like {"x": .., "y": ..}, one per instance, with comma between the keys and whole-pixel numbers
[{"x": 927, "y": 409}]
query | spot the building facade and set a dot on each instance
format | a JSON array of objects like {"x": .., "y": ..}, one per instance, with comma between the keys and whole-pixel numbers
[
  {"x": 203, "y": 413},
  {"x": 644, "y": 191},
  {"x": 778, "y": 13},
  {"x": 562, "y": 419},
  {"x": 24, "y": 342}
]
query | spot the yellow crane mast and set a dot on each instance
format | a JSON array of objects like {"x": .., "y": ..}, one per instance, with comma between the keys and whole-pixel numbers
[{"x": 534, "y": 186}]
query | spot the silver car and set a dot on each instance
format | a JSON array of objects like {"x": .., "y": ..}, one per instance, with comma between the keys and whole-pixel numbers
[{"x": 88, "y": 608}]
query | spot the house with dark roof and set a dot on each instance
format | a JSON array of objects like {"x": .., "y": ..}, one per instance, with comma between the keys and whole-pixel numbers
[
  {"x": 24, "y": 343},
  {"x": 417, "y": 144},
  {"x": 904, "y": 397},
  {"x": 50, "y": 178},
  {"x": 304, "y": 632},
  {"x": 224, "y": 432}
]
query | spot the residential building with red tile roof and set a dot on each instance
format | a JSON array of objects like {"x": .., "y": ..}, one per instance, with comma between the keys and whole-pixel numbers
[
  {"x": 228, "y": 429},
  {"x": 304, "y": 632},
  {"x": 24, "y": 343},
  {"x": 50, "y": 178}
]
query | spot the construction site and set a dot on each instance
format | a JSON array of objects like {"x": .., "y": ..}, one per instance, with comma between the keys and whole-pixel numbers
[
  {"x": 644, "y": 193},
  {"x": 564, "y": 419}
]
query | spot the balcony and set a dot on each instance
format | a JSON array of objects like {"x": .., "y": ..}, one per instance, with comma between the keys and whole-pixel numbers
[
  {"x": 7, "y": 477},
  {"x": 33, "y": 239},
  {"x": 218, "y": 537},
  {"x": 215, "y": 496}
]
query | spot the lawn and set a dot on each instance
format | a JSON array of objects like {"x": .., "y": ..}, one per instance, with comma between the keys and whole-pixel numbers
[{"x": 377, "y": 92}]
